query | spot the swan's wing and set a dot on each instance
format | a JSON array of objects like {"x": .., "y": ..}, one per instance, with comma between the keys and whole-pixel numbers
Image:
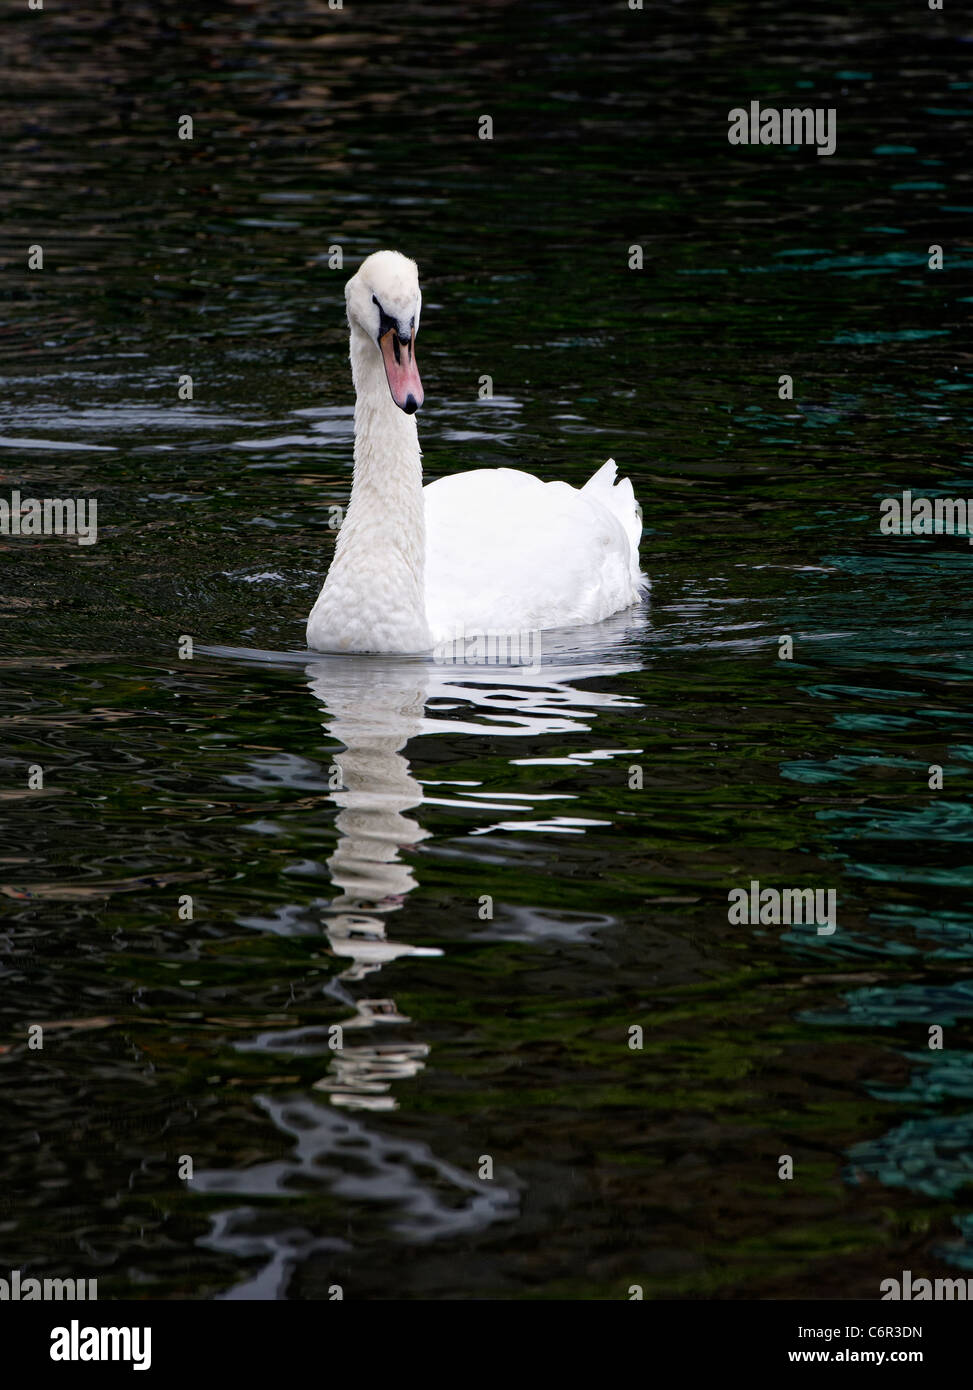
[
  {"x": 618, "y": 497},
  {"x": 506, "y": 552}
]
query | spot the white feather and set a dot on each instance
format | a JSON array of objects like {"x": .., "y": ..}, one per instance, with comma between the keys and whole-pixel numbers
[{"x": 489, "y": 551}]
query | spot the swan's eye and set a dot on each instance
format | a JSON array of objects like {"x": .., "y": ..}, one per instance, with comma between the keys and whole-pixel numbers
[{"x": 388, "y": 324}]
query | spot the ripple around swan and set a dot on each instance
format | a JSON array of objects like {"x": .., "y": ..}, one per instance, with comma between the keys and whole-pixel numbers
[
  {"x": 430, "y": 1200},
  {"x": 73, "y": 446}
]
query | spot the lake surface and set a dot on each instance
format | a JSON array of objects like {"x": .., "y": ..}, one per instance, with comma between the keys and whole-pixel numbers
[{"x": 339, "y": 823}]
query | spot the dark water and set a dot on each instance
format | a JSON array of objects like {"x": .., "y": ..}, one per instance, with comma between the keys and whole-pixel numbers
[{"x": 466, "y": 1037}]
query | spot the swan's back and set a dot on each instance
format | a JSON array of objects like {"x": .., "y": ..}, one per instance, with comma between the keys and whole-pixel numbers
[{"x": 506, "y": 552}]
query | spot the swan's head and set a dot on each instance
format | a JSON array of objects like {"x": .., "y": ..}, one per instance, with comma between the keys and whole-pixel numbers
[{"x": 384, "y": 302}]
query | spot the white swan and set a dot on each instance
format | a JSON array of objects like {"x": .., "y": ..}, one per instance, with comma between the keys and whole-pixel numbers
[{"x": 494, "y": 551}]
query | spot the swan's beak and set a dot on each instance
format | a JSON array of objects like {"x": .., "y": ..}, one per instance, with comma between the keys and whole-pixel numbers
[{"x": 401, "y": 370}]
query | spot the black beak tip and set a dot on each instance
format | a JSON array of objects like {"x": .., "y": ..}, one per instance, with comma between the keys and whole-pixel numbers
[{"x": 411, "y": 404}]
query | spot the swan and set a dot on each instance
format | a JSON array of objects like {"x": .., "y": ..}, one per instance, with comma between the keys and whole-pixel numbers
[{"x": 492, "y": 551}]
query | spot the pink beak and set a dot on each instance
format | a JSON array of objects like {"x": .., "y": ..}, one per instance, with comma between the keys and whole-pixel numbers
[{"x": 402, "y": 372}]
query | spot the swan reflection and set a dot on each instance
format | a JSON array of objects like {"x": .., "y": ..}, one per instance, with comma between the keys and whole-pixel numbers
[{"x": 372, "y": 708}]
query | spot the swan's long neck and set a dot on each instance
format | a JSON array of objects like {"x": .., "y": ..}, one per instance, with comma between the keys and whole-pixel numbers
[{"x": 374, "y": 596}]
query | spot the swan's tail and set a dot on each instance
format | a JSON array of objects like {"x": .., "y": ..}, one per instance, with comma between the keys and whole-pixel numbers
[{"x": 619, "y": 497}]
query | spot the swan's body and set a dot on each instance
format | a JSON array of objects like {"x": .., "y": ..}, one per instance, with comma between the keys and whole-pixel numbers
[{"x": 491, "y": 551}]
